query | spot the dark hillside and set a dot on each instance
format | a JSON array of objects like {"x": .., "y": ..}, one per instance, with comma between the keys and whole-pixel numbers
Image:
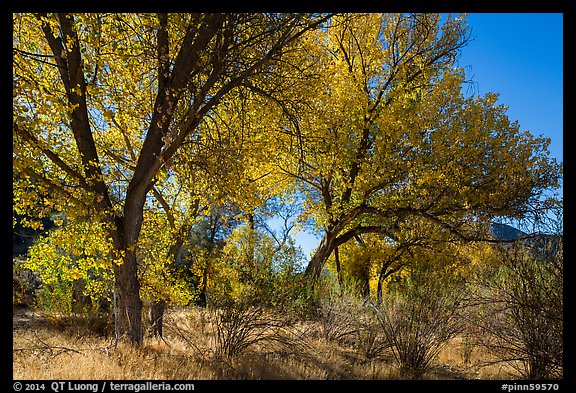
[{"x": 506, "y": 232}]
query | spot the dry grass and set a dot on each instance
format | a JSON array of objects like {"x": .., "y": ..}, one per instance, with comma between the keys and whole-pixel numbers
[{"x": 52, "y": 349}]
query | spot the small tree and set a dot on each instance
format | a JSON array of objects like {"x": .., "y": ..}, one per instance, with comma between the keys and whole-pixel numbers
[
  {"x": 254, "y": 294},
  {"x": 75, "y": 267}
]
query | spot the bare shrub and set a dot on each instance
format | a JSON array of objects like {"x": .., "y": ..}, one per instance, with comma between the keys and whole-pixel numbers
[
  {"x": 521, "y": 309},
  {"x": 242, "y": 325},
  {"x": 338, "y": 308},
  {"x": 419, "y": 317},
  {"x": 370, "y": 338},
  {"x": 347, "y": 317}
]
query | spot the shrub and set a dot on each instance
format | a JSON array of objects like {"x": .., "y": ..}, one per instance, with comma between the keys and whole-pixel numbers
[
  {"x": 242, "y": 325},
  {"x": 370, "y": 338},
  {"x": 419, "y": 315},
  {"x": 346, "y": 316},
  {"x": 521, "y": 309},
  {"x": 255, "y": 295},
  {"x": 338, "y": 308}
]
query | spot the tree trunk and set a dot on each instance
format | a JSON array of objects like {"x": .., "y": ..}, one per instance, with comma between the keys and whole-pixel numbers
[
  {"x": 322, "y": 253},
  {"x": 156, "y": 316},
  {"x": 158, "y": 306},
  {"x": 128, "y": 302},
  {"x": 379, "y": 288},
  {"x": 202, "y": 300},
  {"x": 366, "y": 288},
  {"x": 251, "y": 243},
  {"x": 383, "y": 275},
  {"x": 338, "y": 269}
]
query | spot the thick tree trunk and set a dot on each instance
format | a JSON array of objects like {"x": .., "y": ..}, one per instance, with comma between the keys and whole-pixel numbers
[
  {"x": 322, "y": 253},
  {"x": 128, "y": 303}
]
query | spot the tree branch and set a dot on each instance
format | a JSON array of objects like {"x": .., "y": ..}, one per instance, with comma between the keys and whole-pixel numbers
[
  {"x": 28, "y": 136},
  {"x": 55, "y": 186},
  {"x": 67, "y": 54}
]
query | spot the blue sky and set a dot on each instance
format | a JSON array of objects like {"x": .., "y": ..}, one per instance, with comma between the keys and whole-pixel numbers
[{"x": 519, "y": 56}]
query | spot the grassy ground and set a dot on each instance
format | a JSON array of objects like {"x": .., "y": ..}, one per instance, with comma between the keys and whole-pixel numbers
[{"x": 57, "y": 348}]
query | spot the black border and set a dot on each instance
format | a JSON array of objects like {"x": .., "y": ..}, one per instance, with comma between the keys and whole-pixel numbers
[{"x": 566, "y": 7}]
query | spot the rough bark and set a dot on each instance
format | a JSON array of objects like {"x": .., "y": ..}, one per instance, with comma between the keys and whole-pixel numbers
[
  {"x": 338, "y": 268},
  {"x": 128, "y": 302},
  {"x": 322, "y": 253},
  {"x": 156, "y": 316}
]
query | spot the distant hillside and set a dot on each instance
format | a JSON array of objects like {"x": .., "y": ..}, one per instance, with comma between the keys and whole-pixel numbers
[
  {"x": 545, "y": 244},
  {"x": 506, "y": 232}
]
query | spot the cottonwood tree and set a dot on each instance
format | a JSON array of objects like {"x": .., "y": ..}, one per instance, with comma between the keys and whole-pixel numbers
[
  {"x": 224, "y": 164},
  {"x": 88, "y": 85},
  {"x": 384, "y": 136}
]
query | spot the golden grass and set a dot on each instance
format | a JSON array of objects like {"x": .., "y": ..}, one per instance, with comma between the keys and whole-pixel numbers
[{"x": 46, "y": 349}]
